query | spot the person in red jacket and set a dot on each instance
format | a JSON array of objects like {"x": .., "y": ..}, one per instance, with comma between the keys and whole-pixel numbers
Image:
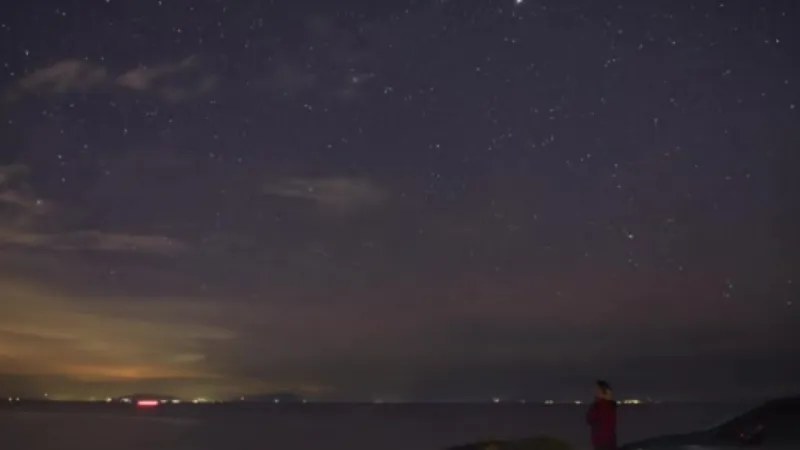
[{"x": 602, "y": 418}]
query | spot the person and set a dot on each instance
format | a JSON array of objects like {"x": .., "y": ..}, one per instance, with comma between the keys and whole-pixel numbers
[{"x": 602, "y": 418}]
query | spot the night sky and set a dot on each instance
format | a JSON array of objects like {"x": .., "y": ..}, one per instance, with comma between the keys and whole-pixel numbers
[{"x": 405, "y": 199}]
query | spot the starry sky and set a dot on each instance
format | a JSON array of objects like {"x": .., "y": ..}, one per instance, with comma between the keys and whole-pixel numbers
[{"x": 405, "y": 199}]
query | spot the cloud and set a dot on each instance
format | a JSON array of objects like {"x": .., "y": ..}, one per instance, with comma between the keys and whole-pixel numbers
[
  {"x": 24, "y": 203},
  {"x": 17, "y": 205},
  {"x": 290, "y": 78},
  {"x": 177, "y": 94},
  {"x": 346, "y": 58},
  {"x": 73, "y": 75},
  {"x": 115, "y": 344},
  {"x": 12, "y": 173},
  {"x": 93, "y": 241},
  {"x": 143, "y": 78},
  {"x": 338, "y": 193},
  {"x": 44, "y": 332},
  {"x": 22, "y": 213}
]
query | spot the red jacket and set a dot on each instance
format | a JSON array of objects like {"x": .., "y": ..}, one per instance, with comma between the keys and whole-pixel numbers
[{"x": 602, "y": 418}]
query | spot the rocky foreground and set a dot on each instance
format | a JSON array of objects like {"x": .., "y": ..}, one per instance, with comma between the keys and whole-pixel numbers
[{"x": 535, "y": 443}]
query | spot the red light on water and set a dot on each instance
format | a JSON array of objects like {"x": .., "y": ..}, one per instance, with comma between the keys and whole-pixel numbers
[{"x": 147, "y": 403}]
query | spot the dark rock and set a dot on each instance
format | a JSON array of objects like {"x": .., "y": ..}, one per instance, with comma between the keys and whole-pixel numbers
[{"x": 534, "y": 443}]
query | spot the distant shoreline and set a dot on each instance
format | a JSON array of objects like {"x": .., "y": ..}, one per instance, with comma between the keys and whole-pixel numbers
[{"x": 24, "y": 404}]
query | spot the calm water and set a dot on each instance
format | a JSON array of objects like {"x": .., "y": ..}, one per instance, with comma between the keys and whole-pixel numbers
[{"x": 329, "y": 427}]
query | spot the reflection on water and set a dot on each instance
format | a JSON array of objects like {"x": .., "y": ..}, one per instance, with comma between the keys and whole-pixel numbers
[{"x": 329, "y": 427}]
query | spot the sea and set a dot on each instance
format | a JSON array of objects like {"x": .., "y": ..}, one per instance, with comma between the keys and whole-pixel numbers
[{"x": 314, "y": 426}]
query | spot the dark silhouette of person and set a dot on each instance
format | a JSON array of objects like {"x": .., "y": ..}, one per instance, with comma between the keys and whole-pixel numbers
[{"x": 602, "y": 418}]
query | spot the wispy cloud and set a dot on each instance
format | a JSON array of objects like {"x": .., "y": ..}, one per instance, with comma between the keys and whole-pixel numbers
[
  {"x": 339, "y": 193},
  {"x": 143, "y": 78},
  {"x": 70, "y": 75},
  {"x": 17, "y": 204},
  {"x": 87, "y": 345},
  {"x": 289, "y": 78},
  {"x": 177, "y": 94},
  {"x": 19, "y": 208},
  {"x": 21, "y": 214},
  {"x": 12, "y": 173},
  {"x": 93, "y": 241},
  {"x": 346, "y": 61},
  {"x": 92, "y": 340},
  {"x": 74, "y": 75}
]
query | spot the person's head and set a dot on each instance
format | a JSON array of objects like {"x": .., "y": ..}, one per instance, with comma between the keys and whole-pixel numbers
[{"x": 602, "y": 390}]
